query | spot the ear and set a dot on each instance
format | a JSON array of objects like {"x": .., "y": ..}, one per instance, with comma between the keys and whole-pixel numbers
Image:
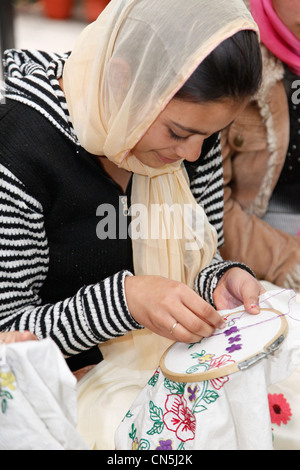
[{"x": 119, "y": 78}]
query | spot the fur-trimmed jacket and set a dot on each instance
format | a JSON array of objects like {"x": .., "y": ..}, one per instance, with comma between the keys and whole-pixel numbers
[{"x": 254, "y": 151}]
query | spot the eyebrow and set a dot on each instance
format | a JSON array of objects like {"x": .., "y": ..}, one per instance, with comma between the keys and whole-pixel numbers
[{"x": 196, "y": 131}]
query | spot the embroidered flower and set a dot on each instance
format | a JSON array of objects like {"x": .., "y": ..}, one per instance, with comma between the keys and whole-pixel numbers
[
  {"x": 192, "y": 392},
  {"x": 234, "y": 347},
  {"x": 220, "y": 361},
  {"x": 231, "y": 330},
  {"x": 219, "y": 382},
  {"x": 280, "y": 410},
  {"x": 8, "y": 380},
  {"x": 234, "y": 339},
  {"x": 217, "y": 363},
  {"x": 135, "y": 444},
  {"x": 179, "y": 418},
  {"x": 205, "y": 358},
  {"x": 165, "y": 445}
]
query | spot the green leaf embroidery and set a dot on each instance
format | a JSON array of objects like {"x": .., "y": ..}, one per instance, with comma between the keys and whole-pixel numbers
[
  {"x": 4, "y": 406},
  {"x": 196, "y": 355},
  {"x": 132, "y": 434},
  {"x": 156, "y": 413},
  {"x": 193, "y": 344},
  {"x": 152, "y": 382},
  {"x": 4, "y": 394},
  {"x": 174, "y": 387},
  {"x": 199, "y": 408},
  {"x": 157, "y": 428},
  {"x": 193, "y": 369},
  {"x": 210, "y": 396}
]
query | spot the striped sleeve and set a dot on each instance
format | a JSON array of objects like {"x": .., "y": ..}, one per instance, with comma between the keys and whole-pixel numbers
[
  {"x": 96, "y": 313},
  {"x": 207, "y": 188}
]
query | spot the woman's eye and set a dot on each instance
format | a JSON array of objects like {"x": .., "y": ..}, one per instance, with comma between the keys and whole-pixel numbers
[{"x": 175, "y": 136}]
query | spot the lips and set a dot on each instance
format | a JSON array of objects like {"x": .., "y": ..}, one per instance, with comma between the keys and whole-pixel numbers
[{"x": 167, "y": 160}]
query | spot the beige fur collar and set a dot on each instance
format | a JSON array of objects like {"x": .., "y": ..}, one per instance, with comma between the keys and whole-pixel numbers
[{"x": 273, "y": 72}]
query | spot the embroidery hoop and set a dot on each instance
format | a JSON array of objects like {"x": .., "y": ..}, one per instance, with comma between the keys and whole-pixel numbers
[{"x": 272, "y": 324}]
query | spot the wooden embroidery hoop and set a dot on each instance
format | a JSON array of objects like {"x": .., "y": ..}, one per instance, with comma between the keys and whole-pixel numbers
[{"x": 272, "y": 344}]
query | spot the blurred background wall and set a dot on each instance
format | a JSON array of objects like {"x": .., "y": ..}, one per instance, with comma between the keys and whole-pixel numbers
[{"x": 51, "y": 25}]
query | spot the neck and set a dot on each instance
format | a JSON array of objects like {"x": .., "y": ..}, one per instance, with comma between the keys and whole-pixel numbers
[{"x": 118, "y": 175}]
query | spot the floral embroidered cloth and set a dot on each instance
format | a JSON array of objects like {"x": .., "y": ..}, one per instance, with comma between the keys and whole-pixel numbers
[
  {"x": 231, "y": 412},
  {"x": 284, "y": 403},
  {"x": 38, "y": 399}
]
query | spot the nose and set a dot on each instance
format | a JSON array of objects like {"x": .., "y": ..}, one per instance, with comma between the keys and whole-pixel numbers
[{"x": 190, "y": 148}]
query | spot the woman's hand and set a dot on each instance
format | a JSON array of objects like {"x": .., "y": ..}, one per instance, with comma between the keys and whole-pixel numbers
[
  {"x": 237, "y": 287},
  {"x": 159, "y": 303}
]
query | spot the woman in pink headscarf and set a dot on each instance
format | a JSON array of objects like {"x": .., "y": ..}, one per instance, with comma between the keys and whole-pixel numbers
[{"x": 262, "y": 156}]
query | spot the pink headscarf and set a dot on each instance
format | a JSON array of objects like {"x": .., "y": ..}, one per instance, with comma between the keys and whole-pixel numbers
[{"x": 275, "y": 35}]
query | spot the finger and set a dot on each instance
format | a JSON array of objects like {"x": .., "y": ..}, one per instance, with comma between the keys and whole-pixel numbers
[
  {"x": 251, "y": 292},
  {"x": 178, "y": 332},
  {"x": 27, "y": 336},
  {"x": 17, "y": 336},
  {"x": 203, "y": 310},
  {"x": 193, "y": 323}
]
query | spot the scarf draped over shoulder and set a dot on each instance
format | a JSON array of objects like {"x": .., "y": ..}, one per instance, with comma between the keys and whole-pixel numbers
[{"x": 123, "y": 71}]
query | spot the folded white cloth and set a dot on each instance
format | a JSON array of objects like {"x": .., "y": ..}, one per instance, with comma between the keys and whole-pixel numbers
[{"x": 38, "y": 398}]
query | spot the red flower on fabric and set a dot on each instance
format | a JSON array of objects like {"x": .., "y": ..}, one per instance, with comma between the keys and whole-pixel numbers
[
  {"x": 216, "y": 363},
  {"x": 179, "y": 418},
  {"x": 220, "y": 361},
  {"x": 280, "y": 410}
]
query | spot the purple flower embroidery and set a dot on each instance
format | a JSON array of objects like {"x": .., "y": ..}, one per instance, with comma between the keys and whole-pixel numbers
[
  {"x": 192, "y": 392},
  {"x": 234, "y": 347},
  {"x": 164, "y": 445},
  {"x": 235, "y": 339},
  {"x": 233, "y": 329}
]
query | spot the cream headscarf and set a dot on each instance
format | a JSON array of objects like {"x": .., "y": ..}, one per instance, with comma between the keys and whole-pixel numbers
[{"x": 123, "y": 71}]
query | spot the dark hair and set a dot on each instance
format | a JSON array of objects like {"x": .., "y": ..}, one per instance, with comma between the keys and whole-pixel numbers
[{"x": 232, "y": 70}]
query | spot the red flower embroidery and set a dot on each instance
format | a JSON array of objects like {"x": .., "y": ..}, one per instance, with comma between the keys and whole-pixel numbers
[
  {"x": 280, "y": 410},
  {"x": 179, "y": 418},
  {"x": 220, "y": 361},
  {"x": 219, "y": 382},
  {"x": 215, "y": 364}
]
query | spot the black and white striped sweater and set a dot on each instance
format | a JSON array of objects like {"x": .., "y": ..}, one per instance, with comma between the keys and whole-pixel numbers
[{"x": 96, "y": 311}]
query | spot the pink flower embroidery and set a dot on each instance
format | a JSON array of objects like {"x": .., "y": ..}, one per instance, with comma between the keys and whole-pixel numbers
[
  {"x": 220, "y": 361},
  {"x": 179, "y": 418},
  {"x": 219, "y": 382},
  {"x": 216, "y": 363}
]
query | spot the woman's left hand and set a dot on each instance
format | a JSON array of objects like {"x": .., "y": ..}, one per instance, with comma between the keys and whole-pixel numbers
[{"x": 237, "y": 287}]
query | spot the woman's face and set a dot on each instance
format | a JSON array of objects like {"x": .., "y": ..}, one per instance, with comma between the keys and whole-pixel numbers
[
  {"x": 289, "y": 13},
  {"x": 180, "y": 129}
]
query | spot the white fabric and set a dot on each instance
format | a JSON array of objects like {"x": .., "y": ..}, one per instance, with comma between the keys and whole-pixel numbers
[
  {"x": 38, "y": 398},
  {"x": 232, "y": 414}
]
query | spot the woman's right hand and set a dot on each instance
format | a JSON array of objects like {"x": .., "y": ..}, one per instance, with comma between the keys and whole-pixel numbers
[{"x": 158, "y": 303}]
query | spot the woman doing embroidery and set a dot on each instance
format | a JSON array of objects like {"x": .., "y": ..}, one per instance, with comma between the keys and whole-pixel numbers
[{"x": 135, "y": 111}]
